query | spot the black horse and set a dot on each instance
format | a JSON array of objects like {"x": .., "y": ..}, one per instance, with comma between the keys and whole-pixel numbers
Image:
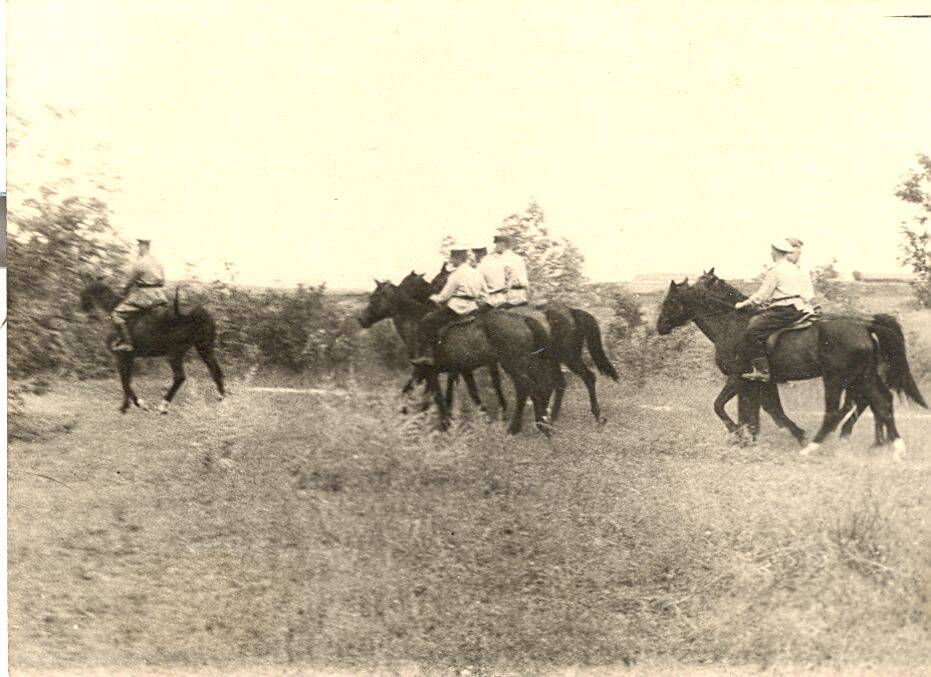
[
  {"x": 161, "y": 331},
  {"x": 518, "y": 344},
  {"x": 570, "y": 329},
  {"x": 843, "y": 351},
  {"x": 414, "y": 286},
  {"x": 765, "y": 392}
]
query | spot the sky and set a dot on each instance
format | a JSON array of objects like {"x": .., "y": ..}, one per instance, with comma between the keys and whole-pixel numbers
[{"x": 338, "y": 142}]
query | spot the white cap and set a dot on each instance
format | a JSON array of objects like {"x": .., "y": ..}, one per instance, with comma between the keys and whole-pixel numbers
[{"x": 781, "y": 244}]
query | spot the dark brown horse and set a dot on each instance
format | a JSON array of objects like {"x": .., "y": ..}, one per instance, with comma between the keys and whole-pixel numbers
[
  {"x": 853, "y": 400},
  {"x": 162, "y": 331},
  {"x": 843, "y": 351},
  {"x": 570, "y": 329},
  {"x": 415, "y": 286},
  {"x": 518, "y": 344}
]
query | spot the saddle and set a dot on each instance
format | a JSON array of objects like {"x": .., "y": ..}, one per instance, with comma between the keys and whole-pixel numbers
[
  {"x": 804, "y": 322},
  {"x": 462, "y": 321}
]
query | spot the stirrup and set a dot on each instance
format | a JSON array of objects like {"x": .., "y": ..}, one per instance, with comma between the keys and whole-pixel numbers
[
  {"x": 120, "y": 347},
  {"x": 756, "y": 375}
]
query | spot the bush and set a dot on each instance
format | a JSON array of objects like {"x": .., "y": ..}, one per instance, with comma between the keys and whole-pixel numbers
[{"x": 916, "y": 254}]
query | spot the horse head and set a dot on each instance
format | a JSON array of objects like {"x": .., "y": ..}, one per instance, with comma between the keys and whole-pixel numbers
[
  {"x": 438, "y": 282},
  {"x": 416, "y": 286},
  {"x": 674, "y": 312},
  {"x": 381, "y": 304},
  {"x": 710, "y": 282},
  {"x": 96, "y": 295}
]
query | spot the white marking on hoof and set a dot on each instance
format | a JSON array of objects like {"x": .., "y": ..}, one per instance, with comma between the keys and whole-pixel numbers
[
  {"x": 142, "y": 404},
  {"x": 811, "y": 448},
  {"x": 898, "y": 449},
  {"x": 163, "y": 407}
]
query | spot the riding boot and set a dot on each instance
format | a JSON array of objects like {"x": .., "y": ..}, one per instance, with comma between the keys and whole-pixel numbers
[
  {"x": 424, "y": 356},
  {"x": 124, "y": 342},
  {"x": 760, "y": 370}
]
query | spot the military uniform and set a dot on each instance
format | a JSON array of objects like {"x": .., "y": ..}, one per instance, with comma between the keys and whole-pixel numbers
[
  {"x": 145, "y": 289},
  {"x": 459, "y": 296},
  {"x": 517, "y": 283},
  {"x": 786, "y": 293},
  {"x": 495, "y": 276}
]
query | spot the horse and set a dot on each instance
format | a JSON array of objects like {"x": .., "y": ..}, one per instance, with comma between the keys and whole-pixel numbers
[
  {"x": 570, "y": 329},
  {"x": 853, "y": 400},
  {"x": 518, "y": 344},
  {"x": 843, "y": 351},
  {"x": 161, "y": 331},
  {"x": 413, "y": 285}
]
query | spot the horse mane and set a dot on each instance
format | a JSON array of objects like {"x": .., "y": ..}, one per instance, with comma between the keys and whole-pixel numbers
[{"x": 721, "y": 288}]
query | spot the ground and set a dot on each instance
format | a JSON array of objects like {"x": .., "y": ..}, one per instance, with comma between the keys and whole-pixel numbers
[{"x": 287, "y": 533}]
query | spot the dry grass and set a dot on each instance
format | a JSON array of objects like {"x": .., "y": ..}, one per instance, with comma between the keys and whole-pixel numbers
[{"x": 289, "y": 530}]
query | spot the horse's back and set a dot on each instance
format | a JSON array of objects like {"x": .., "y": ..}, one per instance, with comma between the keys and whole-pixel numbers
[
  {"x": 538, "y": 314},
  {"x": 837, "y": 340}
]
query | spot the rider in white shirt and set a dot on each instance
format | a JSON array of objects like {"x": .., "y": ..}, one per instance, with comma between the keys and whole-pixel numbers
[
  {"x": 515, "y": 271},
  {"x": 459, "y": 296},
  {"x": 492, "y": 269}
]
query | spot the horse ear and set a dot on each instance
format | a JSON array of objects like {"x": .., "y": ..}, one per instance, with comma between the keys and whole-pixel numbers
[
  {"x": 685, "y": 282},
  {"x": 711, "y": 272},
  {"x": 672, "y": 284}
]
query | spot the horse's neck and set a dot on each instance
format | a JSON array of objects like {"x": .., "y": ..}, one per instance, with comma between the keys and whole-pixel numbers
[
  {"x": 109, "y": 300},
  {"x": 406, "y": 317},
  {"x": 714, "y": 324}
]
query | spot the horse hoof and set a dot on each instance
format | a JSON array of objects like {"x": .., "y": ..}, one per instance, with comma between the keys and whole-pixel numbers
[
  {"x": 811, "y": 448},
  {"x": 898, "y": 449},
  {"x": 163, "y": 407},
  {"x": 602, "y": 421},
  {"x": 142, "y": 405}
]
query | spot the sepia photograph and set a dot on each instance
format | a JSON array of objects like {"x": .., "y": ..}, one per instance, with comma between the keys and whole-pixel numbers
[{"x": 467, "y": 339}]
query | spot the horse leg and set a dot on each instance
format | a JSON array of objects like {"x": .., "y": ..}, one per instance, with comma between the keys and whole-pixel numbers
[
  {"x": 772, "y": 405},
  {"x": 433, "y": 386},
  {"x": 854, "y": 406},
  {"x": 543, "y": 422},
  {"x": 833, "y": 387},
  {"x": 726, "y": 395},
  {"x": 748, "y": 408},
  {"x": 495, "y": 373},
  {"x": 880, "y": 399},
  {"x": 559, "y": 391},
  {"x": 450, "y": 389},
  {"x": 124, "y": 364},
  {"x": 577, "y": 366},
  {"x": 472, "y": 387},
  {"x": 520, "y": 400},
  {"x": 176, "y": 360},
  {"x": 209, "y": 359}
]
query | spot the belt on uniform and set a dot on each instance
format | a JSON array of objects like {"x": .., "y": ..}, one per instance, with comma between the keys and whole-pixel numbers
[
  {"x": 466, "y": 298},
  {"x": 148, "y": 286},
  {"x": 518, "y": 287},
  {"x": 785, "y": 298}
]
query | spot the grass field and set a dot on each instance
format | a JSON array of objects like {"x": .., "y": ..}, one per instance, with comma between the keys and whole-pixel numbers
[{"x": 293, "y": 533}]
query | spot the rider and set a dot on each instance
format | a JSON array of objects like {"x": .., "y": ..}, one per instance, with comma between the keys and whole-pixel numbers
[
  {"x": 784, "y": 296},
  {"x": 794, "y": 256},
  {"x": 492, "y": 269},
  {"x": 515, "y": 271},
  {"x": 145, "y": 280},
  {"x": 459, "y": 297}
]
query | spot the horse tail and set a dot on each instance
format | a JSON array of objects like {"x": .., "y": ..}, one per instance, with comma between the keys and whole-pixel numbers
[
  {"x": 891, "y": 338},
  {"x": 588, "y": 325}
]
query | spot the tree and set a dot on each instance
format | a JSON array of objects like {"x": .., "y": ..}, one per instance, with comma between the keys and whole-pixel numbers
[
  {"x": 916, "y": 245},
  {"x": 554, "y": 266},
  {"x": 55, "y": 236}
]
